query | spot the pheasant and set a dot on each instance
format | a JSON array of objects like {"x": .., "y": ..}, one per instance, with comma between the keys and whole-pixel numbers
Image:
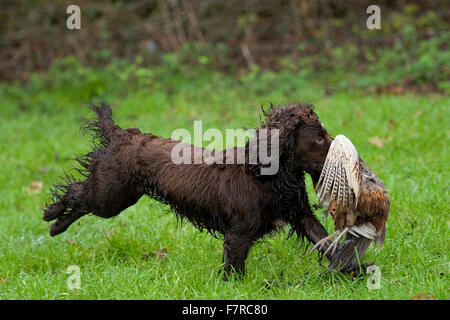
[{"x": 356, "y": 199}]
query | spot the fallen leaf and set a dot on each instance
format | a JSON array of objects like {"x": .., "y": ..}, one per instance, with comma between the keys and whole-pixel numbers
[
  {"x": 392, "y": 123},
  {"x": 424, "y": 296},
  {"x": 71, "y": 242},
  {"x": 376, "y": 141},
  {"x": 160, "y": 253},
  {"x": 225, "y": 115},
  {"x": 3, "y": 279},
  {"x": 35, "y": 187},
  {"x": 109, "y": 233},
  {"x": 418, "y": 113}
]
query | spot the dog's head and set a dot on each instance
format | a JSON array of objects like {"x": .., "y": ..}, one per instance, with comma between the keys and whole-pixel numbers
[{"x": 302, "y": 135}]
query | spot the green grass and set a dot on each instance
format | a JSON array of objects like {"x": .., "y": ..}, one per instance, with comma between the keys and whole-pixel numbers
[{"x": 40, "y": 134}]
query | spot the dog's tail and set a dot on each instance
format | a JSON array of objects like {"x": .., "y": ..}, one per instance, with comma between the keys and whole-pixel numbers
[{"x": 104, "y": 127}]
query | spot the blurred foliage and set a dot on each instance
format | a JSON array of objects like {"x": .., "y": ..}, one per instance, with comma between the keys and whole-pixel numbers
[
  {"x": 410, "y": 63},
  {"x": 142, "y": 41},
  {"x": 420, "y": 65}
]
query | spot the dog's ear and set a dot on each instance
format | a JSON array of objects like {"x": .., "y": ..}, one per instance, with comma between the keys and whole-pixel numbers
[{"x": 288, "y": 133}]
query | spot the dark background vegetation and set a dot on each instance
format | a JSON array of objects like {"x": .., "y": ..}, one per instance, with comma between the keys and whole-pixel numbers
[{"x": 327, "y": 40}]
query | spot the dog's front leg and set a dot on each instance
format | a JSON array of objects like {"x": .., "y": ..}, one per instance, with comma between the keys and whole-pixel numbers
[
  {"x": 235, "y": 251},
  {"x": 309, "y": 226}
]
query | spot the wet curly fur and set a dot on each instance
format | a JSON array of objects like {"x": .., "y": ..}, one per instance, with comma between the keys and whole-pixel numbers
[{"x": 233, "y": 200}]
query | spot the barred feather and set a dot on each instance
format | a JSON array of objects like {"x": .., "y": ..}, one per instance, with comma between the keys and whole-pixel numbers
[
  {"x": 340, "y": 177},
  {"x": 357, "y": 199}
]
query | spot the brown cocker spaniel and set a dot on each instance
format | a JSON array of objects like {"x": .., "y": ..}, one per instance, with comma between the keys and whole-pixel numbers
[{"x": 234, "y": 200}]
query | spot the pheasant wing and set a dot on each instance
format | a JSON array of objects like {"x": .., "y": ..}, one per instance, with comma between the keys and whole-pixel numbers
[{"x": 338, "y": 188}]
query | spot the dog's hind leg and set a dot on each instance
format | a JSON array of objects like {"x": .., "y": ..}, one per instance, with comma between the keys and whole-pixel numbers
[
  {"x": 70, "y": 204},
  {"x": 63, "y": 222},
  {"x": 71, "y": 194},
  {"x": 53, "y": 211}
]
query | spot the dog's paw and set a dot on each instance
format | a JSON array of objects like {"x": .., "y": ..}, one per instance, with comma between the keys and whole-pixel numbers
[{"x": 53, "y": 211}]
